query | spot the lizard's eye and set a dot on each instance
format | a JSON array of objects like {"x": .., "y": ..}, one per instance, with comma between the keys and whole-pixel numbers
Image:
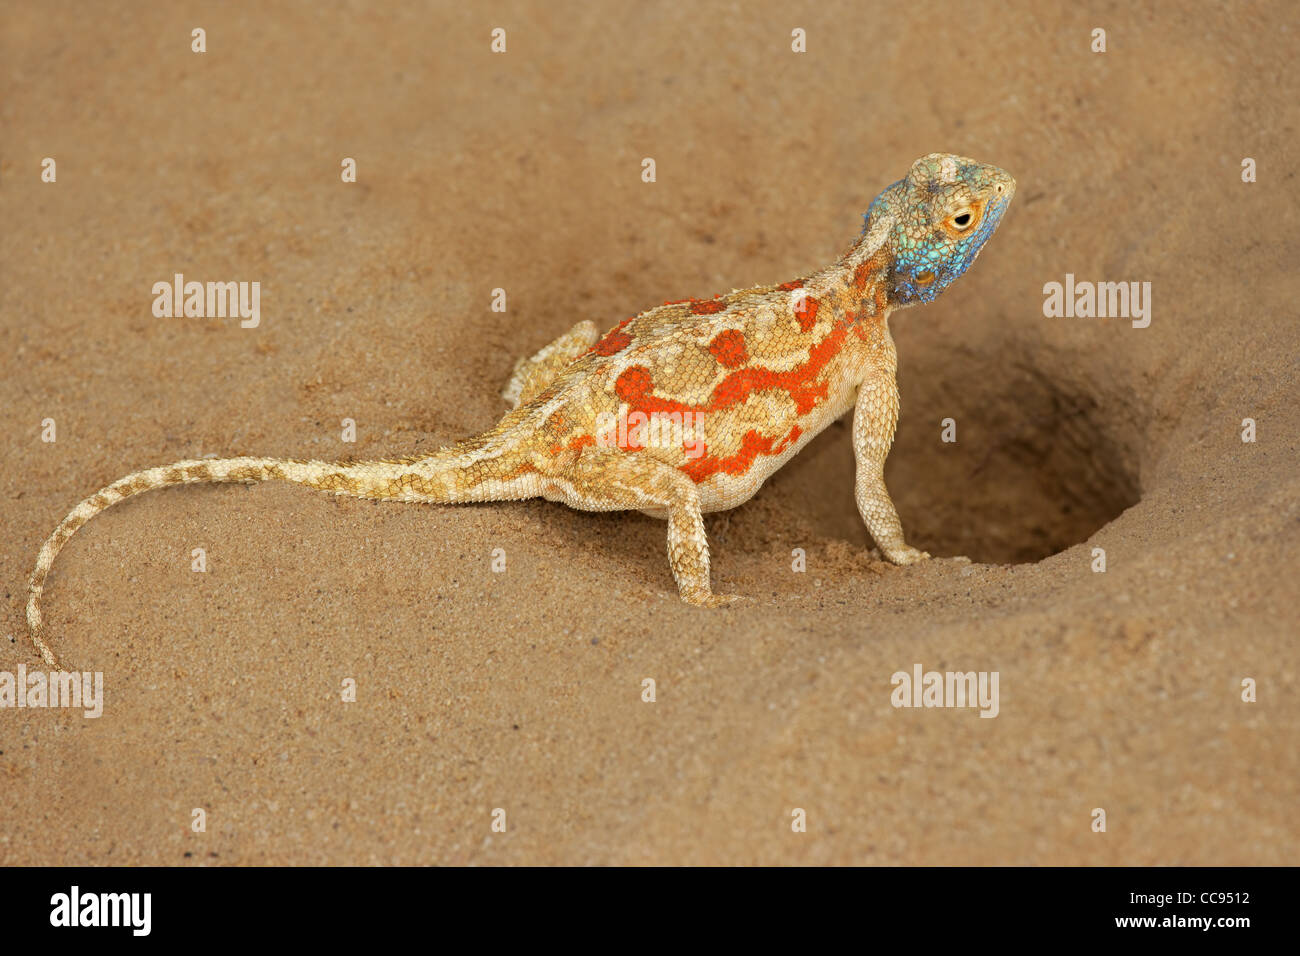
[{"x": 962, "y": 219}]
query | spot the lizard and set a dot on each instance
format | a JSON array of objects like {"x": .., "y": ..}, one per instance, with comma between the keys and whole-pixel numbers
[{"x": 683, "y": 409}]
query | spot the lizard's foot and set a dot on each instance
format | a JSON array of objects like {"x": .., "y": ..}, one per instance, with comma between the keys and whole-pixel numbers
[
  {"x": 704, "y": 598},
  {"x": 906, "y": 555}
]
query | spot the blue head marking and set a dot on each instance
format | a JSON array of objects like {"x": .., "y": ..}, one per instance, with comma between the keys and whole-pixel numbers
[{"x": 940, "y": 216}]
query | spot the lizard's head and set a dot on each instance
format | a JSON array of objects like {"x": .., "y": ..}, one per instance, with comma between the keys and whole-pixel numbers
[{"x": 936, "y": 221}]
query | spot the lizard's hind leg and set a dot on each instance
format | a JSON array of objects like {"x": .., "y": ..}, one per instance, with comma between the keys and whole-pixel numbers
[
  {"x": 611, "y": 480},
  {"x": 532, "y": 375}
]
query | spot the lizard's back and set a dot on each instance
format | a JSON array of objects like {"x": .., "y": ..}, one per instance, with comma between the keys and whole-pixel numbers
[{"x": 726, "y": 390}]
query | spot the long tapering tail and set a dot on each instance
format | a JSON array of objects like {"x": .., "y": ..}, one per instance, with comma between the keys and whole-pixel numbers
[{"x": 456, "y": 474}]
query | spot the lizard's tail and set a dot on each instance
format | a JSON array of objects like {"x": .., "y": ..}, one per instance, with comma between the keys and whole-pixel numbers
[{"x": 445, "y": 477}]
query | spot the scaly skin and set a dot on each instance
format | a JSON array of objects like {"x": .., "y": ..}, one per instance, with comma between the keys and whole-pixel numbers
[{"x": 752, "y": 375}]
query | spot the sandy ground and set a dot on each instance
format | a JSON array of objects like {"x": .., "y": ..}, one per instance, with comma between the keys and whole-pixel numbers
[{"x": 522, "y": 690}]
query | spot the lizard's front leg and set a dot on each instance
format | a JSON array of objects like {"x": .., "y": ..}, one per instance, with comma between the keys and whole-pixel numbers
[{"x": 875, "y": 416}]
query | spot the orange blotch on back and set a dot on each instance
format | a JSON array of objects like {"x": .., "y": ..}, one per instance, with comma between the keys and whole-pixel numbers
[
  {"x": 707, "y": 306},
  {"x": 805, "y": 313},
  {"x": 616, "y": 340},
  {"x": 635, "y": 385},
  {"x": 729, "y": 348}
]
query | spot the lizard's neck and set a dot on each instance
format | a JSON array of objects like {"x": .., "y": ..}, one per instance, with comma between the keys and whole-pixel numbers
[
  {"x": 856, "y": 342},
  {"x": 859, "y": 281}
]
